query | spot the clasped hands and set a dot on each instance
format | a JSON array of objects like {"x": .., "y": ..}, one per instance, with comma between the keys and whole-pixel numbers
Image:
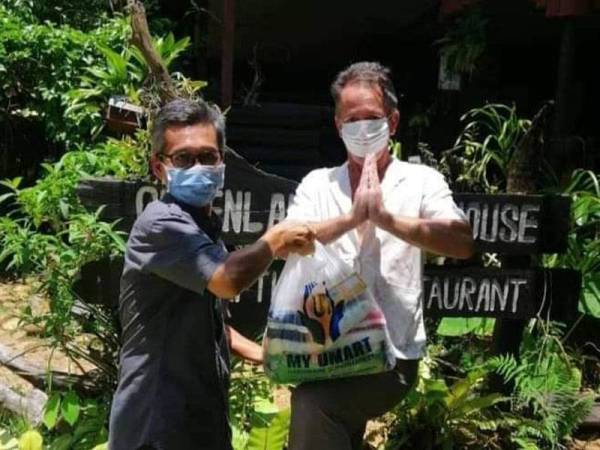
[
  {"x": 368, "y": 198},
  {"x": 296, "y": 237}
]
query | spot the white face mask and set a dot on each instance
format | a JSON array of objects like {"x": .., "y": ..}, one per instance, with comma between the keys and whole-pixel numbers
[{"x": 365, "y": 137}]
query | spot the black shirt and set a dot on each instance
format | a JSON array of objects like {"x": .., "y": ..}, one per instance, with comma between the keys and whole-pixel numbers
[{"x": 174, "y": 364}]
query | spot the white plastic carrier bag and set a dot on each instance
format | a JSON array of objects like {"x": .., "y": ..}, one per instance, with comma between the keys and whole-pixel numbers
[{"x": 323, "y": 323}]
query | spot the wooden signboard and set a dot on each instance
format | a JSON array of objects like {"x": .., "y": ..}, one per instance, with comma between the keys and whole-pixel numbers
[
  {"x": 517, "y": 224},
  {"x": 452, "y": 292},
  {"x": 500, "y": 293},
  {"x": 252, "y": 201}
]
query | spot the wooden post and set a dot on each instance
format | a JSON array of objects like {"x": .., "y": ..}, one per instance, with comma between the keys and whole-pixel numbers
[
  {"x": 564, "y": 78},
  {"x": 227, "y": 53},
  {"x": 563, "y": 121}
]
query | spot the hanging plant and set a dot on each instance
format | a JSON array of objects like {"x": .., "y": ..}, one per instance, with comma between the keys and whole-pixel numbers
[{"x": 461, "y": 48}]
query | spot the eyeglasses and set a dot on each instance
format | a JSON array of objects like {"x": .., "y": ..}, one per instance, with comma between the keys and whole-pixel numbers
[{"x": 185, "y": 160}]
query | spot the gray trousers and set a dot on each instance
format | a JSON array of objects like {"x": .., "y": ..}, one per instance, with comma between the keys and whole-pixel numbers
[{"x": 332, "y": 415}]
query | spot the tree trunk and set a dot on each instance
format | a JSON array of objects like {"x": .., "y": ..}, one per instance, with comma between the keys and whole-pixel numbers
[
  {"x": 142, "y": 39},
  {"x": 30, "y": 406}
]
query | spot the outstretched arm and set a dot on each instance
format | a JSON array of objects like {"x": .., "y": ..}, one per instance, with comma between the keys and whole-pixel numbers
[
  {"x": 243, "y": 267},
  {"x": 244, "y": 347}
]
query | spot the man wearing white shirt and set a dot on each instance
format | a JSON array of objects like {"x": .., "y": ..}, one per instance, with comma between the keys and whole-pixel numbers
[{"x": 379, "y": 215}]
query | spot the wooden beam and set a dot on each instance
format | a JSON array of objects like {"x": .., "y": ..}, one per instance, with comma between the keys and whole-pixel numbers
[{"x": 227, "y": 54}]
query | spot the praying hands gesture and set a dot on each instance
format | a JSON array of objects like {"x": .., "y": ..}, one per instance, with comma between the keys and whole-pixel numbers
[
  {"x": 368, "y": 198},
  {"x": 448, "y": 237},
  {"x": 442, "y": 236}
]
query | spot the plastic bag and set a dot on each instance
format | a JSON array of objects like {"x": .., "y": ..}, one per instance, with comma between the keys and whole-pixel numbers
[{"x": 323, "y": 323}]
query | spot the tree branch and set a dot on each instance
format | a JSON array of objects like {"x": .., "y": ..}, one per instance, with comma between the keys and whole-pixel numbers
[{"x": 143, "y": 41}]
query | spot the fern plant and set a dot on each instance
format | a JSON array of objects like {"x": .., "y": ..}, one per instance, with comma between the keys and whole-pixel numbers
[{"x": 546, "y": 387}]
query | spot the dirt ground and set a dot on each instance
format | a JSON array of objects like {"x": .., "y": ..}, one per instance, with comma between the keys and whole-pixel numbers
[
  {"x": 19, "y": 340},
  {"x": 589, "y": 442},
  {"x": 25, "y": 339}
]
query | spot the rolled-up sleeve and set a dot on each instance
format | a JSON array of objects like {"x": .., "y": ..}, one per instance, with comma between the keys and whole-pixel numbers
[
  {"x": 180, "y": 252},
  {"x": 437, "y": 201}
]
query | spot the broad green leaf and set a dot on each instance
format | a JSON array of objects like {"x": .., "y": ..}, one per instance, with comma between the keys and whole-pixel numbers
[
  {"x": 264, "y": 406},
  {"x": 590, "y": 299},
  {"x": 479, "y": 403},
  {"x": 269, "y": 432},
  {"x": 239, "y": 438},
  {"x": 6, "y": 196},
  {"x": 31, "y": 440},
  {"x": 70, "y": 408},
  {"x": 459, "y": 326},
  {"x": 101, "y": 446},
  {"x": 51, "y": 411}
]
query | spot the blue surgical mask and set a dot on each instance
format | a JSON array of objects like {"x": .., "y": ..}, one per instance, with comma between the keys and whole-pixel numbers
[{"x": 196, "y": 186}]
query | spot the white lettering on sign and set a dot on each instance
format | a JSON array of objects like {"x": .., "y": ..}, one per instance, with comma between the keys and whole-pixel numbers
[
  {"x": 509, "y": 217},
  {"x": 467, "y": 294},
  {"x": 277, "y": 209},
  {"x": 142, "y": 200},
  {"x": 250, "y": 227},
  {"x": 232, "y": 211},
  {"x": 238, "y": 209},
  {"x": 236, "y": 212},
  {"x": 527, "y": 221},
  {"x": 506, "y": 223}
]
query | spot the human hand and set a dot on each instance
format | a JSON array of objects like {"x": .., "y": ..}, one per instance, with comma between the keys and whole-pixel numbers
[
  {"x": 376, "y": 211},
  {"x": 290, "y": 237},
  {"x": 360, "y": 205}
]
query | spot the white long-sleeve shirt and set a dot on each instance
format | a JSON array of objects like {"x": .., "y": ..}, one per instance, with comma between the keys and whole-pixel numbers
[{"x": 391, "y": 267}]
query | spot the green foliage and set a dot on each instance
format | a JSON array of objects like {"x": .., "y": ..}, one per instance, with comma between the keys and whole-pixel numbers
[
  {"x": 123, "y": 73},
  {"x": 435, "y": 415},
  {"x": 479, "y": 159},
  {"x": 53, "y": 201},
  {"x": 62, "y": 77},
  {"x": 464, "y": 44},
  {"x": 73, "y": 423},
  {"x": 269, "y": 430},
  {"x": 50, "y": 235},
  {"x": 41, "y": 63},
  {"x": 249, "y": 387},
  {"x": 546, "y": 406},
  {"x": 396, "y": 149},
  {"x": 257, "y": 423},
  {"x": 459, "y": 326},
  {"x": 83, "y": 14},
  {"x": 546, "y": 387},
  {"x": 583, "y": 251}
]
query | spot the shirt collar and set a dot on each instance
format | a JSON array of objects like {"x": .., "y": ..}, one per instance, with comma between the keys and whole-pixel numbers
[{"x": 210, "y": 224}]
